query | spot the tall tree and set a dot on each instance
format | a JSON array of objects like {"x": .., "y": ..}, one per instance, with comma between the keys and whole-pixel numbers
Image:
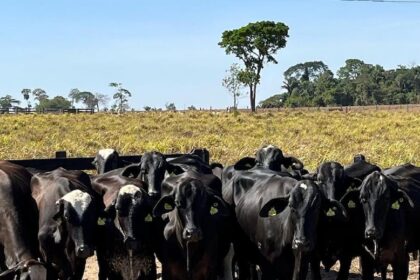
[
  {"x": 120, "y": 96},
  {"x": 232, "y": 82},
  {"x": 8, "y": 101},
  {"x": 39, "y": 94},
  {"x": 255, "y": 44},
  {"x": 26, "y": 93}
]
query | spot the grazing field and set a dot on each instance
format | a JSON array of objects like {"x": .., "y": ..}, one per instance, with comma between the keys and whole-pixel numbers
[{"x": 386, "y": 138}]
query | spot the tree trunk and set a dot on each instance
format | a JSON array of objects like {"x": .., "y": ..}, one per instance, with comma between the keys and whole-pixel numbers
[
  {"x": 252, "y": 95},
  {"x": 234, "y": 101}
]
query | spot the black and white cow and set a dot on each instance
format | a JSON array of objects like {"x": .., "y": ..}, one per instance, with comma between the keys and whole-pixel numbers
[
  {"x": 130, "y": 232},
  {"x": 19, "y": 254},
  {"x": 106, "y": 160},
  {"x": 69, "y": 210}
]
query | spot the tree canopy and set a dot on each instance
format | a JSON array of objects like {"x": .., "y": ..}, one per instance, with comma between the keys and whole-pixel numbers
[
  {"x": 356, "y": 83},
  {"x": 255, "y": 44}
]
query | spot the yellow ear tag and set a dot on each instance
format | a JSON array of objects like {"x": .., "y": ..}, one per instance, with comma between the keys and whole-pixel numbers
[
  {"x": 395, "y": 205},
  {"x": 213, "y": 210},
  {"x": 101, "y": 221},
  {"x": 272, "y": 212},
  {"x": 351, "y": 204},
  {"x": 167, "y": 206},
  {"x": 330, "y": 213},
  {"x": 148, "y": 218}
]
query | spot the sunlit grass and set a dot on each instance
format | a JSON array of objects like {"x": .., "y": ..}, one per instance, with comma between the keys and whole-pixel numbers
[{"x": 386, "y": 138}]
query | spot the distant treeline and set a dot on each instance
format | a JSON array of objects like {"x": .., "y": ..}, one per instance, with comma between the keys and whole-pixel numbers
[{"x": 356, "y": 83}]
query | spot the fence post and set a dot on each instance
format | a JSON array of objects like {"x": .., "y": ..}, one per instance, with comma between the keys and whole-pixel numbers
[{"x": 60, "y": 154}]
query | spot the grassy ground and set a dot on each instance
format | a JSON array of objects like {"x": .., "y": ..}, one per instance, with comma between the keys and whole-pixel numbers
[{"x": 386, "y": 138}]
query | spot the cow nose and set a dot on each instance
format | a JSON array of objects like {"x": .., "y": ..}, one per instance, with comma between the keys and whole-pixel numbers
[
  {"x": 130, "y": 243},
  {"x": 192, "y": 234},
  {"x": 371, "y": 233},
  {"x": 84, "y": 252},
  {"x": 301, "y": 243},
  {"x": 154, "y": 194}
]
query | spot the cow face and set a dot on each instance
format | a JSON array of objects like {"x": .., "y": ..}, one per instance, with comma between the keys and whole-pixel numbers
[
  {"x": 379, "y": 195},
  {"x": 106, "y": 160},
  {"x": 304, "y": 205},
  {"x": 77, "y": 216},
  {"x": 132, "y": 215},
  {"x": 270, "y": 157},
  {"x": 193, "y": 206},
  {"x": 152, "y": 171}
]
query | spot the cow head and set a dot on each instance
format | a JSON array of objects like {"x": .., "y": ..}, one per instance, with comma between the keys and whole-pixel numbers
[
  {"x": 153, "y": 166},
  {"x": 270, "y": 157},
  {"x": 305, "y": 204},
  {"x": 131, "y": 212},
  {"x": 379, "y": 195},
  {"x": 106, "y": 160},
  {"x": 191, "y": 205},
  {"x": 77, "y": 216},
  {"x": 333, "y": 181}
]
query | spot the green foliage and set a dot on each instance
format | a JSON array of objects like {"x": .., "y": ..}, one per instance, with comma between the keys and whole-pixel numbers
[
  {"x": 357, "y": 83},
  {"x": 8, "y": 101},
  {"x": 120, "y": 96},
  {"x": 233, "y": 82},
  {"x": 58, "y": 102},
  {"x": 274, "y": 101},
  {"x": 255, "y": 44},
  {"x": 90, "y": 100},
  {"x": 170, "y": 106}
]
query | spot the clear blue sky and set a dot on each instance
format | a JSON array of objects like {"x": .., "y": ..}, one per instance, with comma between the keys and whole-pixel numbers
[{"x": 166, "y": 51}]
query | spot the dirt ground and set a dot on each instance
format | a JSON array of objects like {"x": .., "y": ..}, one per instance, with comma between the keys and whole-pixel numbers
[{"x": 91, "y": 271}]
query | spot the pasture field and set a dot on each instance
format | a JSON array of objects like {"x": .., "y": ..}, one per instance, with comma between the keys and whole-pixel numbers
[{"x": 386, "y": 138}]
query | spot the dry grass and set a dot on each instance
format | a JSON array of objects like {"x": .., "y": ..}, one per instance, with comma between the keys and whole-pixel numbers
[{"x": 386, "y": 138}]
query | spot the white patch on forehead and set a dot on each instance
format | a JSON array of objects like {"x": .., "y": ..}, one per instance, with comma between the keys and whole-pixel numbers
[
  {"x": 105, "y": 153},
  {"x": 268, "y": 147},
  {"x": 79, "y": 200},
  {"x": 381, "y": 179},
  {"x": 129, "y": 189},
  {"x": 303, "y": 186}
]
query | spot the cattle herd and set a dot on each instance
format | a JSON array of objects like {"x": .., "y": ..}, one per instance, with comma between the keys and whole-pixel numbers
[{"x": 265, "y": 217}]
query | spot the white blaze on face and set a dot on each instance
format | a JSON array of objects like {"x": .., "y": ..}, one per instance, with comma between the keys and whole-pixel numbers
[
  {"x": 105, "y": 153},
  {"x": 79, "y": 201},
  {"x": 268, "y": 147},
  {"x": 129, "y": 190},
  {"x": 303, "y": 186}
]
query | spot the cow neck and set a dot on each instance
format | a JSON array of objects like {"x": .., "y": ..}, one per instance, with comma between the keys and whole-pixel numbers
[
  {"x": 287, "y": 227},
  {"x": 16, "y": 249}
]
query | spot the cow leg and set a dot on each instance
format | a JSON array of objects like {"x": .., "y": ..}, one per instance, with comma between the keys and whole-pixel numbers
[
  {"x": 400, "y": 267},
  {"x": 368, "y": 266},
  {"x": 79, "y": 268},
  {"x": 315, "y": 269},
  {"x": 343, "y": 273}
]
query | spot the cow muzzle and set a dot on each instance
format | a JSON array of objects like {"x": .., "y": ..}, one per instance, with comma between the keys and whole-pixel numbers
[
  {"x": 130, "y": 243},
  {"x": 84, "y": 252},
  {"x": 301, "y": 244},
  {"x": 192, "y": 234},
  {"x": 371, "y": 233}
]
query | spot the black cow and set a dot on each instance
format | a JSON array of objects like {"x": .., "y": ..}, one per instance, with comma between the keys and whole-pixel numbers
[
  {"x": 106, "y": 160},
  {"x": 130, "y": 232},
  {"x": 154, "y": 166},
  {"x": 197, "y": 234},
  {"x": 68, "y": 214},
  {"x": 341, "y": 239},
  {"x": 360, "y": 168},
  {"x": 280, "y": 244},
  {"x": 392, "y": 209},
  {"x": 19, "y": 255}
]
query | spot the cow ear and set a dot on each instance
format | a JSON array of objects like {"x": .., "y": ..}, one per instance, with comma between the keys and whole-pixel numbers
[
  {"x": 164, "y": 205},
  {"x": 274, "y": 207},
  {"x": 351, "y": 199},
  {"x": 218, "y": 206},
  {"x": 334, "y": 209},
  {"x": 402, "y": 197},
  {"x": 245, "y": 163},
  {"x": 59, "y": 210},
  {"x": 132, "y": 171},
  {"x": 110, "y": 211},
  {"x": 310, "y": 176},
  {"x": 173, "y": 169}
]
